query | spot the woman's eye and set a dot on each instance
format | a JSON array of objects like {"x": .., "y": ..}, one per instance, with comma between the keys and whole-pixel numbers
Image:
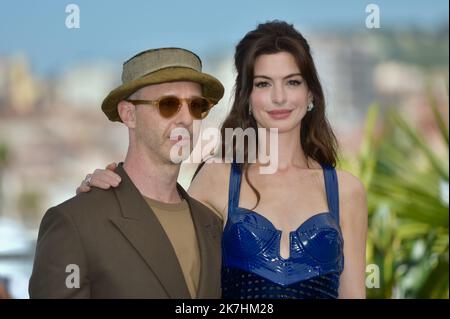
[
  {"x": 294, "y": 82},
  {"x": 262, "y": 84}
]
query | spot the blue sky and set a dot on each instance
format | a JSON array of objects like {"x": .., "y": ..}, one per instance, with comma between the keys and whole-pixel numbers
[{"x": 115, "y": 30}]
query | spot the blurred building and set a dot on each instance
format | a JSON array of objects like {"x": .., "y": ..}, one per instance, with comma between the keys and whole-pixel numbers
[
  {"x": 345, "y": 66},
  {"x": 52, "y": 147}
]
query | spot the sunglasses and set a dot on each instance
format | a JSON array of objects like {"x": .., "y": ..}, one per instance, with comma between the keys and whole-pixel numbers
[{"x": 168, "y": 106}]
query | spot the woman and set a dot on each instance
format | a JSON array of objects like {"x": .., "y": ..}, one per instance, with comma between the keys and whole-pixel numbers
[{"x": 284, "y": 233}]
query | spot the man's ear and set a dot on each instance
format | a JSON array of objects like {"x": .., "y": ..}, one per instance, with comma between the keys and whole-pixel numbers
[{"x": 127, "y": 113}]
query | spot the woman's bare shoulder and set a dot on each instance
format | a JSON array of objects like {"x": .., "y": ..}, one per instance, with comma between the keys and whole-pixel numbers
[
  {"x": 352, "y": 196},
  {"x": 212, "y": 173},
  {"x": 349, "y": 183},
  {"x": 210, "y": 185}
]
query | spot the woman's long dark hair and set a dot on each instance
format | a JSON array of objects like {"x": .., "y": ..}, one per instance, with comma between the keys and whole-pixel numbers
[{"x": 316, "y": 136}]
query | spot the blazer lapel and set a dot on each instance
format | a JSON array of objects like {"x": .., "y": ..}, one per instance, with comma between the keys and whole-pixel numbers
[
  {"x": 208, "y": 237},
  {"x": 142, "y": 229}
]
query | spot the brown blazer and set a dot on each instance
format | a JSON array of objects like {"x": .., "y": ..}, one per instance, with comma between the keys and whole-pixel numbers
[{"x": 120, "y": 248}]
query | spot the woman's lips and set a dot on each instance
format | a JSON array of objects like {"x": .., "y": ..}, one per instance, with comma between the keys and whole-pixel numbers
[{"x": 279, "y": 114}]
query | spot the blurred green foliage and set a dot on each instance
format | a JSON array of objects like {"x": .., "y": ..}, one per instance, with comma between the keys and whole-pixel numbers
[{"x": 407, "y": 193}]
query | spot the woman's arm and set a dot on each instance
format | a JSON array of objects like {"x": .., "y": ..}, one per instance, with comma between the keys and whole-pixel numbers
[
  {"x": 210, "y": 186},
  {"x": 353, "y": 221}
]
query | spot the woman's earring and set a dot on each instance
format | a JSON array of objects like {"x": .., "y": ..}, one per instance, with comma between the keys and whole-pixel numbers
[
  {"x": 250, "y": 110},
  {"x": 310, "y": 106}
]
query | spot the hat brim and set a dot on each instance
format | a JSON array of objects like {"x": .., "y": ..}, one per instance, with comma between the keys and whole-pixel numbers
[{"x": 211, "y": 87}]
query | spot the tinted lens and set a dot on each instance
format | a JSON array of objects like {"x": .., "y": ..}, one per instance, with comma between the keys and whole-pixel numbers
[
  {"x": 200, "y": 107},
  {"x": 169, "y": 105}
]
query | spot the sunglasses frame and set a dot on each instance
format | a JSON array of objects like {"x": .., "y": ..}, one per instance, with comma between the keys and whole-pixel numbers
[{"x": 187, "y": 100}]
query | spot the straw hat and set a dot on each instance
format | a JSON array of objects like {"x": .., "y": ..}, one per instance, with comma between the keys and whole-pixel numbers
[{"x": 160, "y": 66}]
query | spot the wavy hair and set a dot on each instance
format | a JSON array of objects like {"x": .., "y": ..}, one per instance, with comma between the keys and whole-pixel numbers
[{"x": 316, "y": 136}]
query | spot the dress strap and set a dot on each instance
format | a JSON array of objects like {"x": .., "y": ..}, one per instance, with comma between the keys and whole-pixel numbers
[
  {"x": 332, "y": 190},
  {"x": 234, "y": 188}
]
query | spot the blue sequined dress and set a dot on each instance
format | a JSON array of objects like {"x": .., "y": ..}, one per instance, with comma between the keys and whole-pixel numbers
[{"x": 252, "y": 267}]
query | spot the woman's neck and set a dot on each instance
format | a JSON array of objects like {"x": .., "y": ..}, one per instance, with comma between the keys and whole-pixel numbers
[{"x": 289, "y": 150}]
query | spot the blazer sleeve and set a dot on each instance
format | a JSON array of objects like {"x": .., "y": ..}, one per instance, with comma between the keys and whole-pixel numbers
[{"x": 60, "y": 265}]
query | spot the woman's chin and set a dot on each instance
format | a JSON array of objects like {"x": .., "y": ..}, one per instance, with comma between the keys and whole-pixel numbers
[{"x": 281, "y": 126}]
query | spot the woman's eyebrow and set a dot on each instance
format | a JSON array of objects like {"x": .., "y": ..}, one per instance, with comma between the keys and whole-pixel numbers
[{"x": 269, "y": 78}]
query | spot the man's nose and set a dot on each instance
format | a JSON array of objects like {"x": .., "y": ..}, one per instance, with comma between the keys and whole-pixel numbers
[{"x": 184, "y": 115}]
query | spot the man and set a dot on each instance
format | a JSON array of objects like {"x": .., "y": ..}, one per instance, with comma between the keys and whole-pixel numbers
[{"x": 146, "y": 238}]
